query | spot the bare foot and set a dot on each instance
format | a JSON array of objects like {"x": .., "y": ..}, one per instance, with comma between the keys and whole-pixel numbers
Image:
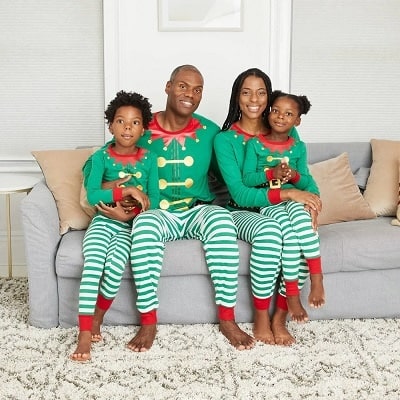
[
  {"x": 82, "y": 351},
  {"x": 316, "y": 297},
  {"x": 97, "y": 322},
  {"x": 262, "y": 327},
  {"x": 236, "y": 337},
  {"x": 278, "y": 327},
  {"x": 144, "y": 339},
  {"x": 296, "y": 309}
]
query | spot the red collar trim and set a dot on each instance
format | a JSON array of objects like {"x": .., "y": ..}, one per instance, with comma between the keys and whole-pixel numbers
[
  {"x": 277, "y": 147},
  {"x": 189, "y": 131},
  {"x": 125, "y": 159}
]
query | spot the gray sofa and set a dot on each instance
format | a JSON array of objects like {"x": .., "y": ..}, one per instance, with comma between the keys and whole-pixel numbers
[{"x": 361, "y": 262}]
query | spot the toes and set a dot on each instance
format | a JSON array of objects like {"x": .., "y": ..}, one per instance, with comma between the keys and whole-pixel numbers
[
  {"x": 97, "y": 338},
  {"x": 81, "y": 357}
]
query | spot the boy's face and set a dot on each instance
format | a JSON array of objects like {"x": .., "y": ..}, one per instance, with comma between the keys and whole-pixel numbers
[
  {"x": 284, "y": 115},
  {"x": 127, "y": 127}
]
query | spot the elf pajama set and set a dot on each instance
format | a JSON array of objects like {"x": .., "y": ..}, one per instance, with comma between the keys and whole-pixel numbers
[
  {"x": 107, "y": 242},
  {"x": 184, "y": 212},
  {"x": 261, "y": 157}
]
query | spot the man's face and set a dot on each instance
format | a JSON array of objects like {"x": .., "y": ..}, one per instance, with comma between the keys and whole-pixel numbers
[{"x": 185, "y": 92}]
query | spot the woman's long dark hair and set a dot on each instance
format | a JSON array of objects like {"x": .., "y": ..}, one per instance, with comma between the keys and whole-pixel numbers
[{"x": 234, "y": 111}]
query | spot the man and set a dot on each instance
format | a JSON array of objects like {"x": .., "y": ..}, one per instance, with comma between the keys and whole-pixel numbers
[{"x": 183, "y": 143}]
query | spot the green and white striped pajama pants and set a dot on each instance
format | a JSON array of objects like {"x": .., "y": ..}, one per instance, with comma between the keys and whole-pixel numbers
[
  {"x": 300, "y": 241},
  {"x": 106, "y": 250},
  {"x": 265, "y": 236},
  {"x": 212, "y": 225}
]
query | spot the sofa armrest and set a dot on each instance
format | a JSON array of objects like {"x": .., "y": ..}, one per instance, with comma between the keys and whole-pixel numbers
[{"x": 41, "y": 235}]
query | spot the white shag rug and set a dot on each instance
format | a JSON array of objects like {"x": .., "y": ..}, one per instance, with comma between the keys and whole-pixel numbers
[{"x": 341, "y": 359}]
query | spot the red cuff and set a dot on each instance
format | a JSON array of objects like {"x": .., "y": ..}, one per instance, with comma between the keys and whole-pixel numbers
[
  {"x": 269, "y": 174},
  {"x": 103, "y": 303},
  {"x": 226, "y": 313},
  {"x": 274, "y": 196},
  {"x": 85, "y": 322},
  {"x": 314, "y": 265},
  {"x": 261, "y": 304},
  {"x": 292, "y": 288},
  {"x": 296, "y": 178},
  {"x": 136, "y": 210},
  {"x": 117, "y": 194},
  {"x": 148, "y": 318},
  {"x": 281, "y": 302}
]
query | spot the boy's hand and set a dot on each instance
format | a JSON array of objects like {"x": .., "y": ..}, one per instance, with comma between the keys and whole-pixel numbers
[
  {"x": 118, "y": 212},
  {"x": 116, "y": 183},
  {"x": 128, "y": 201},
  {"x": 137, "y": 195}
]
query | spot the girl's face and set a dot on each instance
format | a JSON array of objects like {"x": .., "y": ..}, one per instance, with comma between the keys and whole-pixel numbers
[
  {"x": 284, "y": 115},
  {"x": 253, "y": 98},
  {"x": 127, "y": 127}
]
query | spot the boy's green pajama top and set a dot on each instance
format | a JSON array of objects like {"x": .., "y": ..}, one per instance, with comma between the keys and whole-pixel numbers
[{"x": 107, "y": 242}]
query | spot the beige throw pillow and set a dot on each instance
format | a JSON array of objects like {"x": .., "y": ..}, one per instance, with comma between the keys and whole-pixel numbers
[
  {"x": 89, "y": 210},
  {"x": 382, "y": 187},
  {"x": 340, "y": 195},
  {"x": 62, "y": 170}
]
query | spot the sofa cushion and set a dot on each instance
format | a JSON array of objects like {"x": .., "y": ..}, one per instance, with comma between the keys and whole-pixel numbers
[
  {"x": 62, "y": 170},
  {"x": 383, "y": 182},
  {"x": 359, "y": 246},
  {"x": 181, "y": 257},
  {"x": 340, "y": 195}
]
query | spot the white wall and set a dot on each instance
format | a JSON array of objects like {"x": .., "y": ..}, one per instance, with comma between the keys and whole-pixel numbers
[
  {"x": 139, "y": 57},
  {"x": 346, "y": 58},
  {"x": 326, "y": 36},
  {"x": 52, "y": 91}
]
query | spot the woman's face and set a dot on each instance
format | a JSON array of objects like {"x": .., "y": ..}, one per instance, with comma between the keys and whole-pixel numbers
[{"x": 253, "y": 98}]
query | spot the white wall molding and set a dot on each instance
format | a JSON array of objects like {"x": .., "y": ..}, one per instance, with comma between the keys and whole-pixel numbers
[
  {"x": 111, "y": 56},
  {"x": 28, "y": 166},
  {"x": 281, "y": 43}
]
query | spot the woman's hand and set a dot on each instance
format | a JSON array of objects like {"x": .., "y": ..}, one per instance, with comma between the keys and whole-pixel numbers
[
  {"x": 314, "y": 217},
  {"x": 311, "y": 200}
]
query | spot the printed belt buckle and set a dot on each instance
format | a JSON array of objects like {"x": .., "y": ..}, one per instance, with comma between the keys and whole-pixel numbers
[{"x": 275, "y": 184}]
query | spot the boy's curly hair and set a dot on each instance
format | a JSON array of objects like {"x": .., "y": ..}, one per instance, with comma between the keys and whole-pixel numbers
[{"x": 133, "y": 99}]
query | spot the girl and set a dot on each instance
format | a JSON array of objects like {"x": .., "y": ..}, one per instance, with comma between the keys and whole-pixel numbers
[{"x": 275, "y": 159}]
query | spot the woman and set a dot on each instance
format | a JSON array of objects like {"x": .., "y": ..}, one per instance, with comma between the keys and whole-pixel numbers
[{"x": 248, "y": 117}]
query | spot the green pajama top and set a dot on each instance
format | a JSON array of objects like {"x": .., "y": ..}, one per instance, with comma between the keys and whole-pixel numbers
[
  {"x": 262, "y": 153},
  {"x": 105, "y": 165},
  {"x": 183, "y": 159},
  {"x": 230, "y": 147}
]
